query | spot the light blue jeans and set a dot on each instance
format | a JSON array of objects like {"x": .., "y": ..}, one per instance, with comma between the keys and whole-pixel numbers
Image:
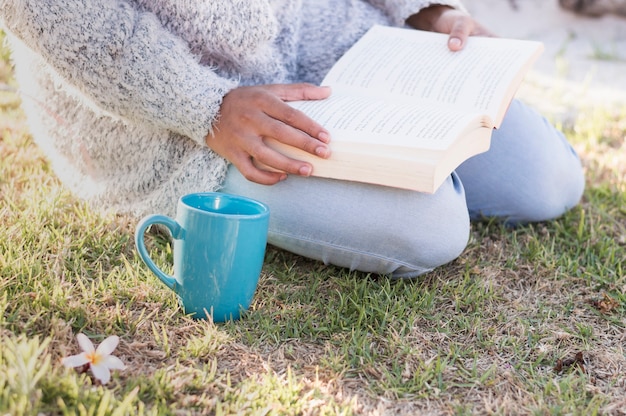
[{"x": 530, "y": 173}]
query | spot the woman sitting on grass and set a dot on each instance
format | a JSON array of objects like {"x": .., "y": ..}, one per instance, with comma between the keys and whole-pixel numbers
[{"x": 137, "y": 102}]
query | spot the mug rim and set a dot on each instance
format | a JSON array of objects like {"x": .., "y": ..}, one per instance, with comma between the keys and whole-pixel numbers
[{"x": 264, "y": 209}]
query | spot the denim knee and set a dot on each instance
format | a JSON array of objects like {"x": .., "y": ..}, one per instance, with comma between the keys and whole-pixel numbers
[
  {"x": 409, "y": 234},
  {"x": 530, "y": 173},
  {"x": 551, "y": 198},
  {"x": 442, "y": 240}
]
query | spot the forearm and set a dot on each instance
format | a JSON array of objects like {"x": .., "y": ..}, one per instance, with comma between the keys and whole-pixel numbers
[{"x": 120, "y": 59}]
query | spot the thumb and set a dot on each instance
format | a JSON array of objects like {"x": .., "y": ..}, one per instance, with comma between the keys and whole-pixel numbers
[{"x": 461, "y": 29}]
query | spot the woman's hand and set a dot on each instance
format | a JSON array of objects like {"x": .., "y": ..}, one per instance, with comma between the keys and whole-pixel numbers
[
  {"x": 458, "y": 24},
  {"x": 249, "y": 115}
]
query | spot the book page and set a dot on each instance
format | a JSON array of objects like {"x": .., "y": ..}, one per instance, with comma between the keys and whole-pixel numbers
[
  {"x": 350, "y": 116},
  {"x": 418, "y": 64}
]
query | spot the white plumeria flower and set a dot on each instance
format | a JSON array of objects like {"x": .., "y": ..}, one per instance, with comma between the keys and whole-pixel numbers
[{"x": 100, "y": 360}]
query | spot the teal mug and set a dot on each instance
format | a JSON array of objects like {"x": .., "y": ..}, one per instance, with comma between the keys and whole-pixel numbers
[{"x": 219, "y": 247}]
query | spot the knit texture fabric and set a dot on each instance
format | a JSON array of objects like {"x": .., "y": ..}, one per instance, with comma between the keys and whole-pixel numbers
[{"x": 120, "y": 94}]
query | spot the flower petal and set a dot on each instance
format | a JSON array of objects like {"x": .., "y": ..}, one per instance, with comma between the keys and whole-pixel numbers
[
  {"x": 108, "y": 345},
  {"x": 75, "y": 360},
  {"x": 113, "y": 363},
  {"x": 85, "y": 343},
  {"x": 101, "y": 372}
]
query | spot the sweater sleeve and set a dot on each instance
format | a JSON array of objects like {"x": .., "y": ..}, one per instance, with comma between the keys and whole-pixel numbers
[
  {"x": 122, "y": 60},
  {"x": 400, "y": 10}
]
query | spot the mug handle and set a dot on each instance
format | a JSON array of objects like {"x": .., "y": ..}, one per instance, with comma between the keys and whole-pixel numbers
[{"x": 176, "y": 231}]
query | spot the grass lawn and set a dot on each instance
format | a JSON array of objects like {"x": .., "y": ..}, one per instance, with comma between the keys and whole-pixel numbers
[{"x": 526, "y": 321}]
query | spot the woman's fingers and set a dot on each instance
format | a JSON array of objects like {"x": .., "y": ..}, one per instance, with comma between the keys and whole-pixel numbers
[
  {"x": 249, "y": 116},
  {"x": 292, "y": 127},
  {"x": 292, "y": 117},
  {"x": 460, "y": 26}
]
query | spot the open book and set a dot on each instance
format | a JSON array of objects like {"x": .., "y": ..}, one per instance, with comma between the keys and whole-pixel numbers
[{"x": 405, "y": 111}]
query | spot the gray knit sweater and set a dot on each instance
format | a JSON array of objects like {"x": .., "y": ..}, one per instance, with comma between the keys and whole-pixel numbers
[{"x": 120, "y": 94}]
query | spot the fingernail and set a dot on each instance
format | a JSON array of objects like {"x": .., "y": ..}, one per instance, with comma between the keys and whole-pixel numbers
[
  {"x": 454, "y": 43},
  {"x": 323, "y": 136},
  {"x": 283, "y": 177},
  {"x": 305, "y": 171},
  {"x": 322, "y": 151}
]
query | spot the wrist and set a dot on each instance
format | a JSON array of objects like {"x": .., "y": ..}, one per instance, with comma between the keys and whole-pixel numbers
[{"x": 426, "y": 18}]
